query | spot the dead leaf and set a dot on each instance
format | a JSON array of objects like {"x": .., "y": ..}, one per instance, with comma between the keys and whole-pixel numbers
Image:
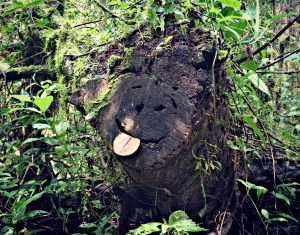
[{"x": 125, "y": 145}]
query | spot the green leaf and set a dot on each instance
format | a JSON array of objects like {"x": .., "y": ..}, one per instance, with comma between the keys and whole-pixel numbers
[
  {"x": 31, "y": 199},
  {"x": 43, "y": 102},
  {"x": 231, "y": 3},
  {"x": 280, "y": 16},
  {"x": 229, "y": 31},
  {"x": 62, "y": 127},
  {"x": 112, "y": 3},
  {"x": 280, "y": 213},
  {"x": 279, "y": 219},
  {"x": 260, "y": 190},
  {"x": 40, "y": 24},
  {"x": 33, "y": 110},
  {"x": 286, "y": 185},
  {"x": 250, "y": 65},
  {"x": 88, "y": 225},
  {"x": 258, "y": 83},
  {"x": 294, "y": 113},
  {"x": 41, "y": 126},
  {"x": 33, "y": 3},
  {"x": 247, "y": 184},
  {"x": 23, "y": 98},
  {"x": 265, "y": 213},
  {"x": 51, "y": 141},
  {"x": 31, "y": 214},
  {"x": 146, "y": 228},
  {"x": 11, "y": 9},
  {"x": 177, "y": 215},
  {"x": 29, "y": 140},
  {"x": 255, "y": 128},
  {"x": 282, "y": 197},
  {"x": 60, "y": 150}
]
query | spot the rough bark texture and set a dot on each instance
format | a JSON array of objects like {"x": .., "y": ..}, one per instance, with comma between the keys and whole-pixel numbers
[{"x": 163, "y": 96}]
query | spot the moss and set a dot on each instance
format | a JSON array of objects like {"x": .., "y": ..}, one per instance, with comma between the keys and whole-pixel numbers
[
  {"x": 112, "y": 62},
  {"x": 127, "y": 57},
  {"x": 103, "y": 97}
]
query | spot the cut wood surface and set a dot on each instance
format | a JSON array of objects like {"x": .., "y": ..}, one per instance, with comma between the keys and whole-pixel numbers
[{"x": 125, "y": 145}]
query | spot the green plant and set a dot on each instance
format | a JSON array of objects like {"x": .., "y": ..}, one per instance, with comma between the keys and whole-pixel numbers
[
  {"x": 265, "y": 216},
  {"x": 178, "y": 223}
]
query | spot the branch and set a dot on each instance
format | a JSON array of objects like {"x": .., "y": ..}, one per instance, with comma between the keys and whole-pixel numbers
[
  {"x": 289, "y": 24},
  {"x": 105, "y": 9},
  {"x": 282, "y": 58},
  {"x": 19, "y": 73},
  {"x": 90, "y": 22},
  {"x": 279, "y": 72},
  {"x": 76, "y": 56}
]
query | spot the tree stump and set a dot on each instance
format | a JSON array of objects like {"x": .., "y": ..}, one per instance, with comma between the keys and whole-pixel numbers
[{"x": 164, "y": 96}]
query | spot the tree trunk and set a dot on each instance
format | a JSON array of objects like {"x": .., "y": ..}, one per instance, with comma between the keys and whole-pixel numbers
[{"x": 165, "y": 97}]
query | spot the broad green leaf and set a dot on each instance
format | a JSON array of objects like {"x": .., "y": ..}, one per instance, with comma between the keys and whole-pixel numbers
[
  {"x": 40, "y": 24},
  {"x": 249, "y": 65},
  {"x": 282, "y": 197},
  {"x": 41, "y": 126},
  {"x": 32, "y": 213},
  {"x": 43, "y": 102},
  {"x": 51, "y": 141},
  {"x": 254, "y": 127},
  {"x": 60, "y": 150},
  {"x": 112, "y": 3},
  {"x": 31, "y": 199},
  {"x": 258, "y": 83},
  {"x": 265, "y": 213},
  {"x": 294, "y": 113},
  {"x": 11, "y": 9},
  {"x": 88, "y": 225},
  {"x": 229, "y": 31},
  {"x": 279, "y": 219},
  {"x": 62, "y": 127},
  {"x": 280, "y": 16},
  {"x": 280, "y": 213},
  {"x": 146, "y": 228},
  {"x": 33, "y": 3},
  {"x": 286, "y": 185},
  {"x": 260, "y": 190},
  {"x": 228, "y": 18},
  {"x": 239, "y": 26},
  {"x": 23, "y": 98},
  {"x": 231, "y": 3},
  {"x": 177, "y": 215},
  {"x": 33, "y": 110},
  {"x": 29, "y": 140}
]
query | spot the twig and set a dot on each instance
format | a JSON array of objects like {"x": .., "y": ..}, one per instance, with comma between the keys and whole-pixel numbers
[
  {"x": 112, "y": 183},
  {"x": 278, "y": 72},
  {"x": 74, "y": 57},
  {"x": 105, "y": 9},
  {"x": 90, "y": 22},
  {"x": 282, "y": 58},
  {"x": 49, "y": 53},
  {"x": 289, "y": 24}
]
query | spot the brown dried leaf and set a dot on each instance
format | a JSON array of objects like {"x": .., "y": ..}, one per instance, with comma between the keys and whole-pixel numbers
[{"x": 125, "y": 145}]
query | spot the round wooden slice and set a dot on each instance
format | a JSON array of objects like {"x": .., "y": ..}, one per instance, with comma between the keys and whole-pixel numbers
[{"x": 125, "y": 145}]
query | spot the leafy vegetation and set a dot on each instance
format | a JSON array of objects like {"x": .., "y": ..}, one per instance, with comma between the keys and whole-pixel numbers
[{"x": 54, "y": 166}]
